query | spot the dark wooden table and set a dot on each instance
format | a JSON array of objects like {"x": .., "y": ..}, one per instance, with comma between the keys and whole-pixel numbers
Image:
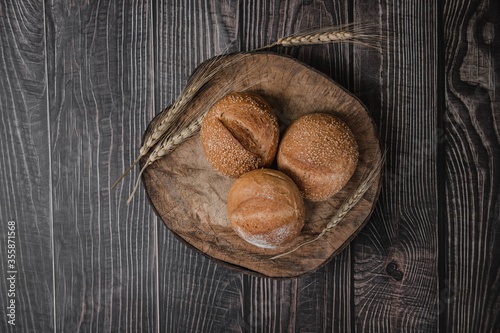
[{"x": 79, "y": 83}]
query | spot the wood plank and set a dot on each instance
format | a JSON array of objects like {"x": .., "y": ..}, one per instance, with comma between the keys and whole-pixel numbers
[
  {"x": 101, "y": 83},
  {"x": 470, "y": 294},
  {"x": 195, "y": 294},
  {"x": 320, "y": 302},
  {"x": 395, "y": 257},
  {"x": 25, "y": 171}
]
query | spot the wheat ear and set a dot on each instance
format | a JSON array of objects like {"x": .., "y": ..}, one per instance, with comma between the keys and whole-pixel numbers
[
  {"x": 194, "y": 85},
  {"x": 200, "y": 78},
  {"x": 166, "y": 146},
  {"x": 349, "y": 33},
  {"x": 186, "y": 128},
  {"x": 198, "y": 81},
  {"x": 346, "y": 206}
]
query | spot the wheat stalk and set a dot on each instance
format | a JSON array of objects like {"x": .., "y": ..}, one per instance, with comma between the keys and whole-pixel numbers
[
  {"x": 339, "y": 34},
  {"x": 187, "y": 127},
  {"x": 346, "y": 206},
  {"x": 166, "y": 146},
  {"x": 198, "y": 81}
]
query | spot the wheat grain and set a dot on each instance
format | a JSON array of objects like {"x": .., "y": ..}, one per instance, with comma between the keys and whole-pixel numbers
[
  {"x": 350, "y": 33},
  {"x": 166, "y": 146},
  {"x": 309, "y": 39},
  {"x": 346, "y": 206}
]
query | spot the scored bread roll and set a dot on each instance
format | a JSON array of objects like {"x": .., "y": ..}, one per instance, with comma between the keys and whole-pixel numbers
[
  {"x": 265, "y": 208},
  {"x": 319, "y": 152},
  {"x": 240, "y": 133}
]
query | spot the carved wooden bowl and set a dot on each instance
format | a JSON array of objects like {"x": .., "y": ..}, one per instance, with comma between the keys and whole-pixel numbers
[{"x": 190, "y": 197}]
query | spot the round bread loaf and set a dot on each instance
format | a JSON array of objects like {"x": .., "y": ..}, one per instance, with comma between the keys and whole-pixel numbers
[
  {"x": 265, "y": 208},
  {"x": 319, "y": 152},
  {"x": 240, "y": 133}
]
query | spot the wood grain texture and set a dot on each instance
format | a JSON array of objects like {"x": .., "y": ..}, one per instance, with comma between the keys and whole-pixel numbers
[
  {"x": 80, "y": 82},
  {"x": 470, "y": 295},
  {"x": 100, "y": 55},
  {"x": 395, "y": 257},
  {"x": 25, "y": 169}
]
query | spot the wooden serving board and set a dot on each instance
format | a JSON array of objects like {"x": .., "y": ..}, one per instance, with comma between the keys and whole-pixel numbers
[{"x": 190, "y": 197}]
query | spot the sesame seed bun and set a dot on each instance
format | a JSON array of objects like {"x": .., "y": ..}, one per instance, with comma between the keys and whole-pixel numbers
[
  {"x": 319, "y": 152},
  {"x": 240, "y": 133},
  {"x": 265, "y": 208}
]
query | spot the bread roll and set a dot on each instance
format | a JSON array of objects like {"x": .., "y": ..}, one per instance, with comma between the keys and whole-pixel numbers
[
  {"x": 319, "y": 152},
  {"x": 265, "y": 208},
  {"x": 240, "y": 133}
]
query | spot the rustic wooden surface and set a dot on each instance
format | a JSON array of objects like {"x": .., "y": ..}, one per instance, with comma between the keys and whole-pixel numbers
[{"x": 81, "y": 81}]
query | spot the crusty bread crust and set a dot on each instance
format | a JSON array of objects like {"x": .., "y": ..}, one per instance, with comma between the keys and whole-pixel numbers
[
  {"x": 240, "y": 133},
  {"x": 319, "y": 152},
  {"x": 265, "y": 208}
]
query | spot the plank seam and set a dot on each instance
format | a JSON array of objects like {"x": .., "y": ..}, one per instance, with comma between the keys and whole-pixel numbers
[
  {"x": 441, "y": 166},
  {"x": 154, "y": 21},
  {"x": 51, "y": 203},
  {"x": 350, "y": 85}
]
